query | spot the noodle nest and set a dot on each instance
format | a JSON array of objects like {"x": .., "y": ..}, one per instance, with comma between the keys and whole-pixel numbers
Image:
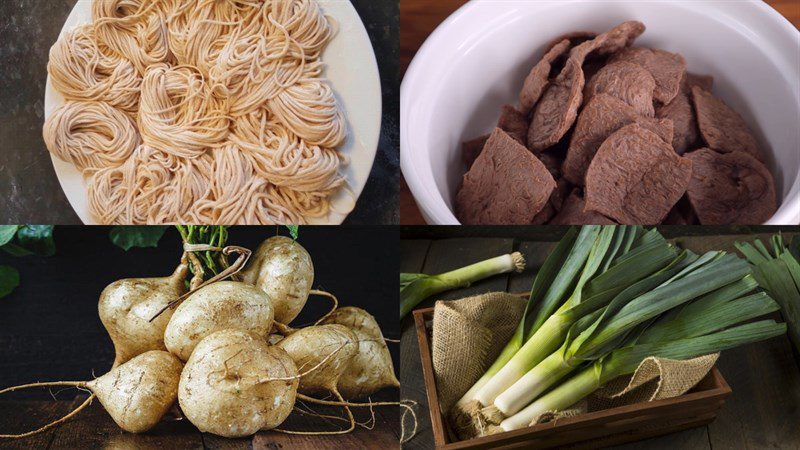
[{"x": 199, "y": 111}]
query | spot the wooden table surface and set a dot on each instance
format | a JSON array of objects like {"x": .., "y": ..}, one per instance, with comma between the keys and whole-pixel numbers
[
  {"x": 418, "y": 19},
  {"x": 762, "y": 412},
  {"x": 94, "y": 428}
]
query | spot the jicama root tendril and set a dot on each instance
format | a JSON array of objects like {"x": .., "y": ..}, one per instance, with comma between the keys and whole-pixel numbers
[
  {"x": 330, "y": 296},
  {"x": 46, "y": 427}
]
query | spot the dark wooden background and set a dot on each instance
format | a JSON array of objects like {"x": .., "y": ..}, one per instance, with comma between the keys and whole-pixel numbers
[
  {"x": 50, "y": 329},
  {"x": 762, "y": 412},
  {"x": 418, "y": 19}
]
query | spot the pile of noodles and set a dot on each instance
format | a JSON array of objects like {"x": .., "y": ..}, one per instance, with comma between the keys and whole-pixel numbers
[{"x": 199, "y": 111}]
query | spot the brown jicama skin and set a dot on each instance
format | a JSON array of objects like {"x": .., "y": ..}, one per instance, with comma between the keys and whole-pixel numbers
[
  {"x": 371, "y": 369},
  {"x": 126, "y": 307},
  {"x": 308, "y": 347},
  {"x": 218, "y": 306},
  {"x": 283, "y": 269},
  {"x": 235, "y": 384},
  {"x": 136, "y": 394}
]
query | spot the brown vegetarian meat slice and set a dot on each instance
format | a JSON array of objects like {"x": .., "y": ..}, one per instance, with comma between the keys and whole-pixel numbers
[
  {"x": 514, "y": 123},
  {"x": 574, "y": 38},
  {"x": 511, "y": 121},
  {"x": 681, "y": 112},
  {"x": 574, "y": 213},
  {"x": 626, "y": 81},
  {"x": 730, "y": 188},
  {"x": 667, "y": 69},
  {"x": 557, "y": 109},
  {"x": 600, "y": 118},
  {"x": 538, "y": 78},
  {"x": 722, "y": 128},
  {"x": 702, "y": 81},
  {"x": 471, "y": 149},
  {"x": 506, "y": 185},
  {"x": 636, "y": 177}
]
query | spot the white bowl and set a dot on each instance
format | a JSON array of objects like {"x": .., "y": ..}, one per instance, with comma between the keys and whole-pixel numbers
[
  {"x": 478, "y": 58},
  {"x": 353, "y": 72}
]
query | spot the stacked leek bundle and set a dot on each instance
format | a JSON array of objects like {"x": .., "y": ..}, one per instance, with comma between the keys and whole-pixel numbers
[
  {"x": 606, "y": 299},
  {"x": 777, "y": 270}
]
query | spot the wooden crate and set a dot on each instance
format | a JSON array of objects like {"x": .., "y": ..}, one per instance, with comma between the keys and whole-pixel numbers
[{"x": 591, "y": 430}]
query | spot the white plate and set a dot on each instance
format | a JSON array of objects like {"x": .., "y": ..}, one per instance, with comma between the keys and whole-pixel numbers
[
  {"x": 353, "y": 72},
  {"x": 477, "y": 59}
]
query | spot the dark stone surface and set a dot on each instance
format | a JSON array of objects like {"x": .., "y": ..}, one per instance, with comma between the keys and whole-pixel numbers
[{"x": 29, "y": 189}]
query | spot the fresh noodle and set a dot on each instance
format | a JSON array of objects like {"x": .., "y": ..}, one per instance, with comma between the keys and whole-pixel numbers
[
  {"x": 200, "y": 111},
  {"x": 81, "y": 69},
  {"x": 91, "y": 135}
]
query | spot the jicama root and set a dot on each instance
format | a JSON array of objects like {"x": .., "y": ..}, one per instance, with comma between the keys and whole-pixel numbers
[
  {"x": 234, "y": 384},
  {"x": 308, "y": 346},
  {"x": 126, "y": 307},
  {"x": 371, "y": 369},
  {"x": 217, "y": 306},
  {"x": 136, "y": 394},
  {"x": 283, "y": 269}
]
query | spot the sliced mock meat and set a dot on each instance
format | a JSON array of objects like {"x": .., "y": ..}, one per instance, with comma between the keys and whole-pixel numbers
[
  {"x": 514, "y": 123},
  {"x": 507, "y": 185},
  {"x": 730, "y": 188},
  {"x": 574, "y": 38},
  {"x": 538, "y": 78},
  {"x": 722, "y": 128},
  {"x": 681, "y": 112},
  {"x": 557, "y": 109},
  {"x": 626, "y": 81},
  {"x": 601, "y": 117},
  {"x": 511, "y": 121},
  {"x": 471, "y": 149},
  {"x": 574, "y": 212},
  {"x": 635, "y": 177},
  {"x": 611, "y": 41},
  {"x": 667, "y": 69},
  {"x": 702, "y": 81}
]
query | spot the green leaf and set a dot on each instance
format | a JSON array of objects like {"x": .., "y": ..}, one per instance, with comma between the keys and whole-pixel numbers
[
  {"x": 32, "y": 240},
  {"x": 128, "y": 237},
  {"x": 9, "y": 280},
  {"x": 294, "y": 230},
  {"x": 7, "y": 233},
  {"x": 408, "y": 278}
]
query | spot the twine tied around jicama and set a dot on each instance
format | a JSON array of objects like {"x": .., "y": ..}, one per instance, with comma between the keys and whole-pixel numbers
[{"x": 468, "y": 335}]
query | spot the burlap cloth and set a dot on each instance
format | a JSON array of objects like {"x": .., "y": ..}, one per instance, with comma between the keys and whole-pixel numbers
[{"x": 468, "y": 335}]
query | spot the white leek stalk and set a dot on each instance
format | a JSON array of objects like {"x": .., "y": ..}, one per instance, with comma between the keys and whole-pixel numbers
[{"x": 625, "y": 361}]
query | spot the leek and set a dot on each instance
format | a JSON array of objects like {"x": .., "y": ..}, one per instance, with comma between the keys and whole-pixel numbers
[
  {"x": 625, "y": 361},
  {"x": 416, "y": 287},
  {"x": 555, "y": 270},
  {"x": 614, "y": 263},
  {"x": 778, "y": 272},
  {"x": 685, "y": 280}
]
